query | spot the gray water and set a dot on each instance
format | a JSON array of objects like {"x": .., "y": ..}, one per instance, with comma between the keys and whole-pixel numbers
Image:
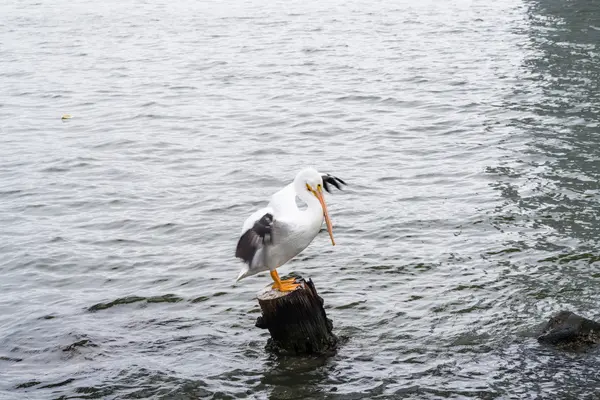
[{"x": 466, "y": 130}]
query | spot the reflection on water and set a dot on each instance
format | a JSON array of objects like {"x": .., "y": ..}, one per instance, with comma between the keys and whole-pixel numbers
[
  {"x": 298, "y": 378},
  {"x": 558, "y": 110},
  {"x": 553, "y": 189},
  {"x": 552, "y": 192}
]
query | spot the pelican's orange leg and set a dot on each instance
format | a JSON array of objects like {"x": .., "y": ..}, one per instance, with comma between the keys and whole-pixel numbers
[{"x": 283, "y": 286}]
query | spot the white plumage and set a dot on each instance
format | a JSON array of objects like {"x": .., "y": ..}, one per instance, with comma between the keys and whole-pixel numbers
[{"x": 277, "y": 233}]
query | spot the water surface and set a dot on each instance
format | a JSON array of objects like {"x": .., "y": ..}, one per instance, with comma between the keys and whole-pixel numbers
[{"x": 468, "y": 134}]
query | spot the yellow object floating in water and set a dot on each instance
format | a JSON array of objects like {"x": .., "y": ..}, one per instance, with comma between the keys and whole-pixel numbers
[{"x": 67, "y": 116}]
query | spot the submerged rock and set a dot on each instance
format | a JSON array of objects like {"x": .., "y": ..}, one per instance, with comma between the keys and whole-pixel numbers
[{"x": 569, "y": 330}]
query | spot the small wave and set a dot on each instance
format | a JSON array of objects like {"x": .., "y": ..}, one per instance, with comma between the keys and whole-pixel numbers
[
  {"x": 169, "y": 226},
  {"x": 80, "y": 343},
  {"x": 10, "y": 359},
  {"x": 358, "y": 98},
  {"x": 118, "y": 241},
  {"x": 155, "y": 116},
  {"x": 309, "y": 50},
  {"x": 58, "y": 384},
  {"x": 200, "y": 299},
  {"x": 309, "y": 123},
  {"x": 167, "y": 298},
  {"x": 504, "y": 251},
  {"x": 566, "y": 258},
  {"x": 10, "y": 192},
  {"x": 109, "y": 225},
  {"x": 182, "y": 87},
  {"x": 55, "y": 169},
  {"x": 114, "y": 144},
  {"x": 460, "y": 288},
  {"x": 355, "y": 304},
  {"x": 27, "y": 384},
  {"x": 269, "y": 151}
]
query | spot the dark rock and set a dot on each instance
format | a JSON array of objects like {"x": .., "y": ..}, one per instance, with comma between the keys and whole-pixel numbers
[{"x": 569, "y": 330}]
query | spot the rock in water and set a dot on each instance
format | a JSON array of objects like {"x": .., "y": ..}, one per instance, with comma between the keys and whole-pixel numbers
[
  {"x": 296, "y": 321},
  {"x": 570, "y": 330}
]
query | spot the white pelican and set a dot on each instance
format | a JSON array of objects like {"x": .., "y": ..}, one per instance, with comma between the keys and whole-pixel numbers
[{"x": 277, "y": 233}]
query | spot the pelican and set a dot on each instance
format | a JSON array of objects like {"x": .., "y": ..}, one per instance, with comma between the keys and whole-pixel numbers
[{"x": 279, "y": 232}]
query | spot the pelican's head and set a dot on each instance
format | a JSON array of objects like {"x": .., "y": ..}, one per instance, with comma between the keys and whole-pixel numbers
[{"x": 309, "y": 183}]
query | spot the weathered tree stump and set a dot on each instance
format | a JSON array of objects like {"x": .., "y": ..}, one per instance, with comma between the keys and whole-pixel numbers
[
  {"x": 570, "y": 331},
  {"x": 296, "y": 321}
]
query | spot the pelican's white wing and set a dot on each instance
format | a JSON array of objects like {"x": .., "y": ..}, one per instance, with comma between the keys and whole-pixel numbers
[
  {"x": 284, "y": 202},
  {"x": 281, "y": 203},
  {"x": 263, "y": 233},
  {"x": 266, "y": 232},
  {"x": 254, "y": 217}
]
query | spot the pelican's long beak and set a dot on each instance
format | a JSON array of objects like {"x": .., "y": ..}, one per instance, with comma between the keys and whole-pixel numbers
[{"x": 319, "y": 194}]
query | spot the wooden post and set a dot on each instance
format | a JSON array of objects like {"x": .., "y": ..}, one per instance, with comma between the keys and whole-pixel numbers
[{"x": 296, "y": 320}]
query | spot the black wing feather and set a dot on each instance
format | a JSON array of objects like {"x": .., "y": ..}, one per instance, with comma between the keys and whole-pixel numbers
[
  {"x": 254, "y": 238},
  {"x": 330, "y": 180}
]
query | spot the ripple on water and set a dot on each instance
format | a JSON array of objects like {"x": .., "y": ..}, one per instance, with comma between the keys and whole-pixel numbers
[{"x": 167, "y": 298}]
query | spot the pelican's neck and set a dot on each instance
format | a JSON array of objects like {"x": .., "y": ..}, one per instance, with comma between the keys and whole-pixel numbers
[{"x": 313, "y": 205}]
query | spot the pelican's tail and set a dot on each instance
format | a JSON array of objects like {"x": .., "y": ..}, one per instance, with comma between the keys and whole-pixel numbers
[{"x": 243, "y": 274}]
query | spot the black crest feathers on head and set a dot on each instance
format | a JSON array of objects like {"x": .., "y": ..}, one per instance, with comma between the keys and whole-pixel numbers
[{"x": 330, "y": 180}]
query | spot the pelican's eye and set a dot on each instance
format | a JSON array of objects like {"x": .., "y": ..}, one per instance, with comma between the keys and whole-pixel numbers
[{"x": 308, "y": 188}]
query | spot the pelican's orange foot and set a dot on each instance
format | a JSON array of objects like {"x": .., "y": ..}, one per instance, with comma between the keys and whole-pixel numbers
[{"x": 283, "y": 286}]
